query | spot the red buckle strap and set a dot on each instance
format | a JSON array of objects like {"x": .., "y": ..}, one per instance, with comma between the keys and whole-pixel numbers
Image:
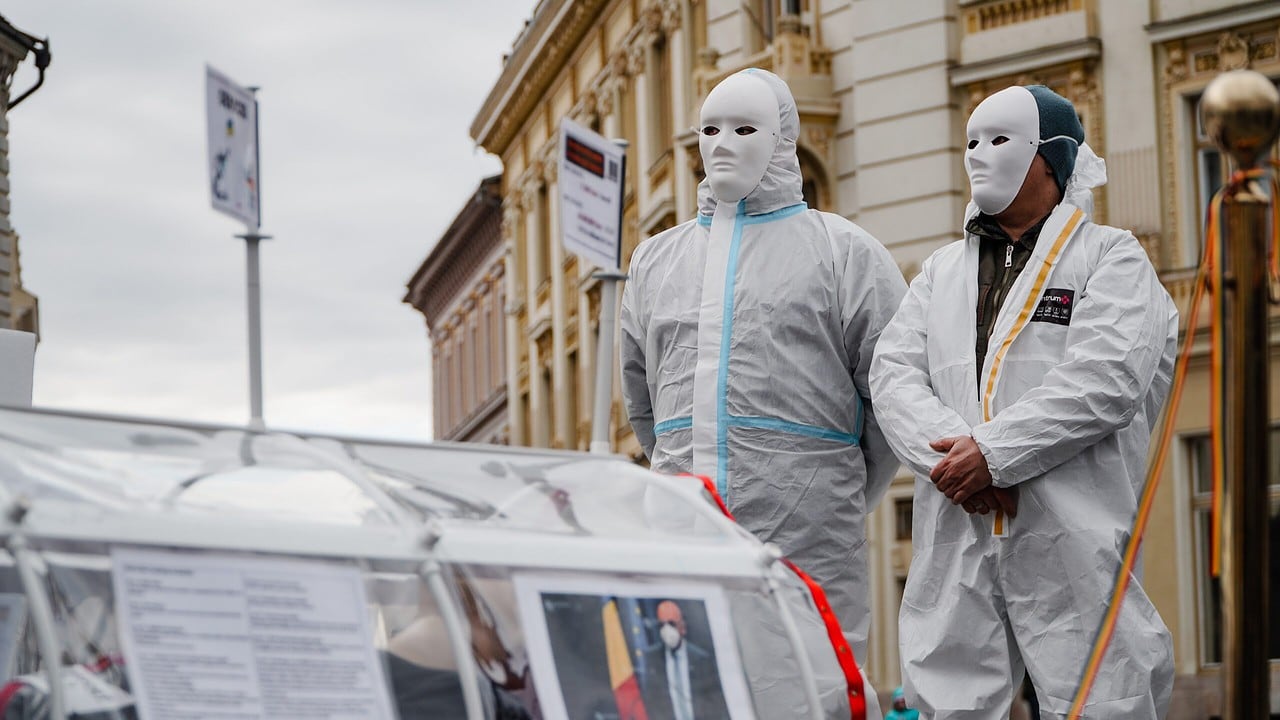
[{"x": 844, "y": 654}]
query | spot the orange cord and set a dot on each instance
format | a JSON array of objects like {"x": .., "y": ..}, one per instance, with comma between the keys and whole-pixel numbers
[{"x": 1208, "y": 274}]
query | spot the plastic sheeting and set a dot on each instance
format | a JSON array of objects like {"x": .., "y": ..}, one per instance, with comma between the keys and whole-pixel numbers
[{"x": 77, "y": 490}]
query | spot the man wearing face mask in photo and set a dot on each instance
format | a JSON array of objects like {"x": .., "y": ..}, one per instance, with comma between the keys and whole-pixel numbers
[
  {"x": 1030, "y": 357},
  {"x": 681, "y": 680},
  {"x": 747, "y": 335}
]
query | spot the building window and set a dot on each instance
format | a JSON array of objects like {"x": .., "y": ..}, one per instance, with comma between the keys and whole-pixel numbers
[
  {"x": 437, "y": 386},
  {"x": 526, "y": 410},
  {"x": 446, "y": 423},
  {"x": 813, "y": 187},
  {"x": 484, "y": 367},
  {"x": 456, "y": 359},
  {"x": 1211, "y": 168},
  {"x": 902, "y": 518},
  {"x": 474, "y": 370},
  {"x": 661, "y": 120},
  {"x": 542, "y": 243},
  {"x": 761, "y": 14},
  {"x": 1208, "y": 589},
  {"x": 571, "y": 389},
  {"x": 544, "y": 432},
  {"x": 497, "y": 313}
]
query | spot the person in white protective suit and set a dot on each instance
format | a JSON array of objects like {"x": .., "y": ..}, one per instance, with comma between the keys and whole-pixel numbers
[
  {"x": 747, "y": 335},
  {"x": 1032, "y": 357}
]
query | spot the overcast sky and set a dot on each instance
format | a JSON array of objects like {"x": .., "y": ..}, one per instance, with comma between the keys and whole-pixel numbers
[{"x": 366, "y": 158}]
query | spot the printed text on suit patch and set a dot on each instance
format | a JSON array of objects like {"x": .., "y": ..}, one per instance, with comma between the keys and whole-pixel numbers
[{"x": 1055, "y": 306}]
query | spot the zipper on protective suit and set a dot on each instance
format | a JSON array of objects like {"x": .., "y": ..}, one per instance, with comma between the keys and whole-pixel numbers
[{"x": 995, "y": 360}]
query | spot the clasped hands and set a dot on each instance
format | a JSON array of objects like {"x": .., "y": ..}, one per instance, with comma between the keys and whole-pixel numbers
[{"x": 963, "y": 476}]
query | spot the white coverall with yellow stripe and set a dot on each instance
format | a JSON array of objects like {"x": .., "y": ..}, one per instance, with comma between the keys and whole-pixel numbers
[{"x": 1080, "y": 362}]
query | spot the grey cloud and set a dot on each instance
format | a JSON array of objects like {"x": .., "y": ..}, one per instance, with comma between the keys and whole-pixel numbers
[{"x": 366, "y": 159}]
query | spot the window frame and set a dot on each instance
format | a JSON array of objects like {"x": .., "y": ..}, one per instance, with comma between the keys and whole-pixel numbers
[{"x": 1200, "y": 498}]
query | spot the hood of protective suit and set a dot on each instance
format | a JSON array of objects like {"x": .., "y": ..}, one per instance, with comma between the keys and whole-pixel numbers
[{"x": 780, "y": 185}]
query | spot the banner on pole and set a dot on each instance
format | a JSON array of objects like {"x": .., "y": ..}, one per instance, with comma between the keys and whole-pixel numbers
[
  {"x": 233, "y": 148},
  {"x": 591, "y": 185}
]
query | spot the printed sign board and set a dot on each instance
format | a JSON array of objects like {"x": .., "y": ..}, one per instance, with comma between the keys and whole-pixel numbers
[
  {"x": 17, "y": 366},
  {"x": 233, "y": 148},
  {"x": 210, "y": 636},
  {"x": 591, "y": 186}
]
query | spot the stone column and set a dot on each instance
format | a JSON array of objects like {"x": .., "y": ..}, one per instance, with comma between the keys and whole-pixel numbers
[
  {"x": 540, "y": 433},
  {"x": 562, "y": 392},
  {"x": 681, "y": 72},
  {"x": 437, "y": 385},
  {"x": 534, "y": 250},
  {"x": 643, "y": 155},
  {"x": 515, "y": 404}
]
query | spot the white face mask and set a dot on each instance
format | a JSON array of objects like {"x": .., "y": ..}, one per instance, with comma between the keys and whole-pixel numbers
[
  {"x": 670, "y": 636},
  {"x": 1003, "y": 134},
  {"x": 737, "y": 135}
]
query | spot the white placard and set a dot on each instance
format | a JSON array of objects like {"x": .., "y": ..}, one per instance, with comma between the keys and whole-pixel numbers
[
  {"x": 591, "y": 185},
  {"x": 574, "y": 653},
  {"x": 209, "y": 636},
  {"x": 233, "y": 148},
  {"x": 17, "y": 367}
]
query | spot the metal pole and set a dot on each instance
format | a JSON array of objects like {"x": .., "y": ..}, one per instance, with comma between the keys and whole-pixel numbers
[
  {"x": 41, "y": 613},
  {"x": 603, "y": 401},
  {"x": 251, "y": 241},
  {"x": 458, "y": 630},
  {"x": 600, "y": 442},
  {"x": 1242, "y": 110}
]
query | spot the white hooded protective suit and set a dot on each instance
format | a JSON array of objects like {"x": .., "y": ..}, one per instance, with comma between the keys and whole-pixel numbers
[
  {"x": 747, "y": 335},
  {"x": 1079, "y": 363}
]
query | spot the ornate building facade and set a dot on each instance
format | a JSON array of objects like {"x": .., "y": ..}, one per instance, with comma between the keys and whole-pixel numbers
[
  {"x": 884, "y": 89},
  {"x": 19, "y": 309},
  {"x": 459, "y": 290}
]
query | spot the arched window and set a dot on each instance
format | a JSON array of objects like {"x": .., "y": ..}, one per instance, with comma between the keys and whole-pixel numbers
[{"x": 815, "y": 188}]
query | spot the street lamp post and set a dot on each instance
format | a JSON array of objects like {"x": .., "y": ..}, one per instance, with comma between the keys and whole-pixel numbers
[{"x": 1242, "y": 114}]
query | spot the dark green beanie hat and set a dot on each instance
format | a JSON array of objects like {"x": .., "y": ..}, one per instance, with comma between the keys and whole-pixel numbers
[{"x": 1058, "y": 118}]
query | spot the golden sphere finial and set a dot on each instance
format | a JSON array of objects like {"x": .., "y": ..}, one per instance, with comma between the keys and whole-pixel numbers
[{"x": 1241, "y": 113}]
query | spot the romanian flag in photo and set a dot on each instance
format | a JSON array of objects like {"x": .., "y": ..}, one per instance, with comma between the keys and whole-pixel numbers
[{"x": 622, "y": 676}]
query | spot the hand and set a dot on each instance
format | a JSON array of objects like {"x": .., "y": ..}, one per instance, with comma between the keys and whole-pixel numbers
[
  {"x": 963, "y": 471},
  {"x": 993, "y": 498}
]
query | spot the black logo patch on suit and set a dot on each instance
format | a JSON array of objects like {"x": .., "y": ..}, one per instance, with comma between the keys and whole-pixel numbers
[{"x": 1055, "y": 306}]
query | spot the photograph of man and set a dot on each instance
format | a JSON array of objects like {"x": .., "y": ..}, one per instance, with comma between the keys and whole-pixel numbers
[
  {"x": 1023, "y": 374},
  {"x": 681, "y": 680}
]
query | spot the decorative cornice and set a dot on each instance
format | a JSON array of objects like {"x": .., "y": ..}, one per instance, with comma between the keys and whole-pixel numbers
[
  {"x": 481, "y": 417},
  {"x": 1215, "y": 21},
  {"x": 474, "y": 235},
  {"x": 980, "y": 16},
  {"x": 14, "y": 45},
  {"x": 556, "y": 30},
  {"x": 1086, "y": 49}
]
